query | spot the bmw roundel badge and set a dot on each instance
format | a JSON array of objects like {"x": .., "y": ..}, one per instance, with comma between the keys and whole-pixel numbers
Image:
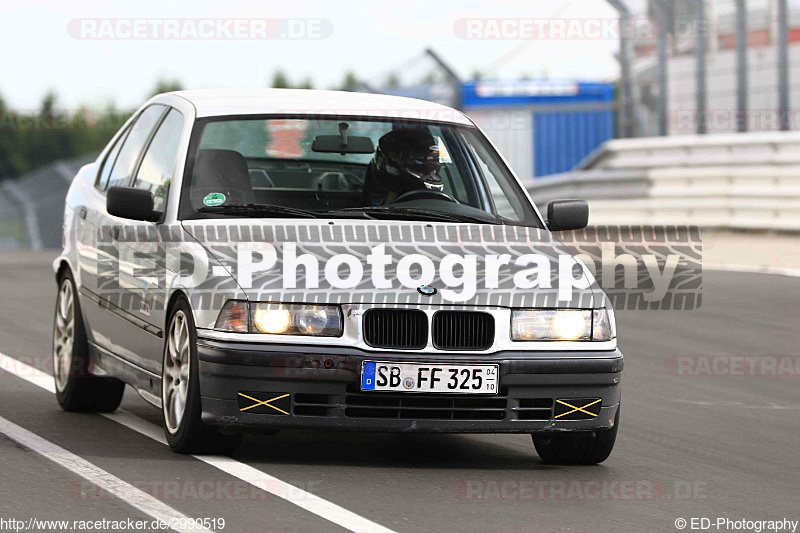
[{"x": 426, "y": 290}]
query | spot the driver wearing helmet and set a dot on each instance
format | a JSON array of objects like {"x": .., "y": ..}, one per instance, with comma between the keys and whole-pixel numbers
[{"x": 404, "y": 161}]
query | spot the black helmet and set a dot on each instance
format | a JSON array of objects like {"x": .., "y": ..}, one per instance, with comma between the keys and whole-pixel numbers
[{"x": 407, "y": 160}]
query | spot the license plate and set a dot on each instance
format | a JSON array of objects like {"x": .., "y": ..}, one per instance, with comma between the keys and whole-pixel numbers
[{"x": 426, "y": 377}]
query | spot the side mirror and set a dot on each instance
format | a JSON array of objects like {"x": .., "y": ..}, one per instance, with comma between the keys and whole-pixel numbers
[
  {"x": 567, "y": 214},
  {"x": 130, "y": 203}
]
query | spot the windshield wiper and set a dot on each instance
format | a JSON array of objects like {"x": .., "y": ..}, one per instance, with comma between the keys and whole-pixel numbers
[
  {"x": 258, "y": 209},
  {"x": 416, "y": 212}
]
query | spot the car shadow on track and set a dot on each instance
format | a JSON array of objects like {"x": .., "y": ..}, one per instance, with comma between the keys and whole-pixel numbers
[{"x": 389, "y": 450}]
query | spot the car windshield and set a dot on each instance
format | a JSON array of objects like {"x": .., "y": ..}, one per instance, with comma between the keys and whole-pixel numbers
[{"x": 333, "y": 167}]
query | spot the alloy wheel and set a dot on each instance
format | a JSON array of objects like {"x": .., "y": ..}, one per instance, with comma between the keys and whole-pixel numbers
[
  {"x": 63, "y": 334},
  {"x": 175, "y": 382}
]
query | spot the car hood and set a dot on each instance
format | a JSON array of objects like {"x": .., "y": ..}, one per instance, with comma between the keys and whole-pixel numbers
[{"x": 236, "y": 248}]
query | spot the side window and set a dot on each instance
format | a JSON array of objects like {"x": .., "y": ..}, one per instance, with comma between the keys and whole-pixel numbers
[
  {"x": 108, "y": 163},
  {"x": 129, "y": 154},
  {"x": 155, "y": 172},
  {"x": 506, "y": 200}
]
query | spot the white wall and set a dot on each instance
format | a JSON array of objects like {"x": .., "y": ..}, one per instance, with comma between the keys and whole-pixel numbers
[{"x": 511, "y": 130}]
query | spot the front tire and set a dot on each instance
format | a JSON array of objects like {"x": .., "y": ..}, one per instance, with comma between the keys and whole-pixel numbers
[
  {"x": 76, "y": 389},
  {"x": 577, "y": 448},
  {"x": 180, "y": 390}
]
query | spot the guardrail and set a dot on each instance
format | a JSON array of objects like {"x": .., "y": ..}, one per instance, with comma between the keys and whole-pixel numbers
[
  {"x": 32, "y": 206},
  {"x": 740, "y": 181}
]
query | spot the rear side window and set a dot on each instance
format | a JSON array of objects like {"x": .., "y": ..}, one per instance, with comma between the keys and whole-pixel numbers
[
  {"x": 128, "y": 156},
  {"x": 108, "y": 163},
  {"x": 155, "y": 172}
]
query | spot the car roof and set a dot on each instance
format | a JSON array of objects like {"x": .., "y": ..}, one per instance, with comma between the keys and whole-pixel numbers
[{"x": 226, "y": 102}]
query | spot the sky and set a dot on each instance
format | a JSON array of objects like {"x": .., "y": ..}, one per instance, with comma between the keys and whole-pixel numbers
[{"x": 42, "y": 49}]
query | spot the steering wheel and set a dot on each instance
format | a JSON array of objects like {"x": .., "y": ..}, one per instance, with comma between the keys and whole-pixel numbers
[{"x": 422, "y": 193}]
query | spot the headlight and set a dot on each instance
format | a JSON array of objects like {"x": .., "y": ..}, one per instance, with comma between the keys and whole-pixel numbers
[
  {"x": 280, "y": 319},
  {"x": 297, "y": 319},
  {"x": 560, "y": 325}
]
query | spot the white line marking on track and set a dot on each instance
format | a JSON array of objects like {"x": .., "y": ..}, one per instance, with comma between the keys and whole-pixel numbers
[
  {"x": 305, "y": 500},
  {"x": 125, "y": 492},
  {"x": 753, "y": 269}
]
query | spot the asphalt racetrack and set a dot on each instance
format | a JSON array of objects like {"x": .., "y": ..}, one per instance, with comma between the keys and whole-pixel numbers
[{"x": 695, "y": 441}]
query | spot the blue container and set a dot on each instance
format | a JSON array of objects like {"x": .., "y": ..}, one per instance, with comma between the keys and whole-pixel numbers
[{"x": 561, "y": 122}]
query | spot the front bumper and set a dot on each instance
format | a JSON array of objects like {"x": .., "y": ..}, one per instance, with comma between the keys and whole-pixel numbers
[{"x": 319, "y": 387}]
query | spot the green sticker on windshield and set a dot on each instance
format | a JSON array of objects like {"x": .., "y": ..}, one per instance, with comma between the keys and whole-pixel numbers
[{"x": 213, "y": 199}]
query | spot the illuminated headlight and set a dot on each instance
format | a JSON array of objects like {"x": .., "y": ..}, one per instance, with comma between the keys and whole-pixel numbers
[
  {"x": 281, "y": 319},
  {"x": 297, "y": 319},
  {"x": 560, "y": 325}
]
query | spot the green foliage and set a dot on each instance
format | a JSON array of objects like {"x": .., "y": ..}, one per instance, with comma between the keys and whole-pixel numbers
[
  {"x": 349, "y": 82},
  {"x": 280, "y": 80},
  {"x": 32, "y": 138},
  {"x": 307, "y": 83},
  {"x": 35, "y": 137},
  {"x": 166, "y": 86},
  {"x": 392, "y": 81}
]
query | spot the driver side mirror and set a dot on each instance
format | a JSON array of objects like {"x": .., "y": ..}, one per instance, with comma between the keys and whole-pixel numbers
[
  {"x": 131, "y": 203},
  {"x": 565, "y": 215}
]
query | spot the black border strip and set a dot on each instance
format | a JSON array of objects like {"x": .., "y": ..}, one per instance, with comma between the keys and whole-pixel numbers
[{"x": 135, "y": 320}]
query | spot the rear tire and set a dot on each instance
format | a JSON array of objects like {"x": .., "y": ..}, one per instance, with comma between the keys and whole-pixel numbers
[
  {"x": 588, "y": 448},
  {"x": 180, "y": 391},
  {"x": 76, "y": 389}
]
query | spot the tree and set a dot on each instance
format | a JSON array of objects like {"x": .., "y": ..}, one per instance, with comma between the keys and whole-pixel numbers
[
  {"x": 349, "y": 82},
  {"x": 280, "y": 80},
  {"x": 166, "y": 86},
  {"x": 32, "y": 139},
  {"x": 8, "y": 140},
  {"x": 392, "y": 81},
  {"x": 307, "y": 83},
  {"x": 477, "y": 75}
]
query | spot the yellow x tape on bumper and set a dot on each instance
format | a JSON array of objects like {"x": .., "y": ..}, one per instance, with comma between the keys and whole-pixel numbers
[
  {"x": 264, "y": 406},
  {"x": 569, "y": 410}
]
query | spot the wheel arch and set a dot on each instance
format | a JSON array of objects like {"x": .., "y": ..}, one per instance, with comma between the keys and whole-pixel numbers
[
  {"x": 173, "y": 300},
  {"x": 62, "y": 265}
]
